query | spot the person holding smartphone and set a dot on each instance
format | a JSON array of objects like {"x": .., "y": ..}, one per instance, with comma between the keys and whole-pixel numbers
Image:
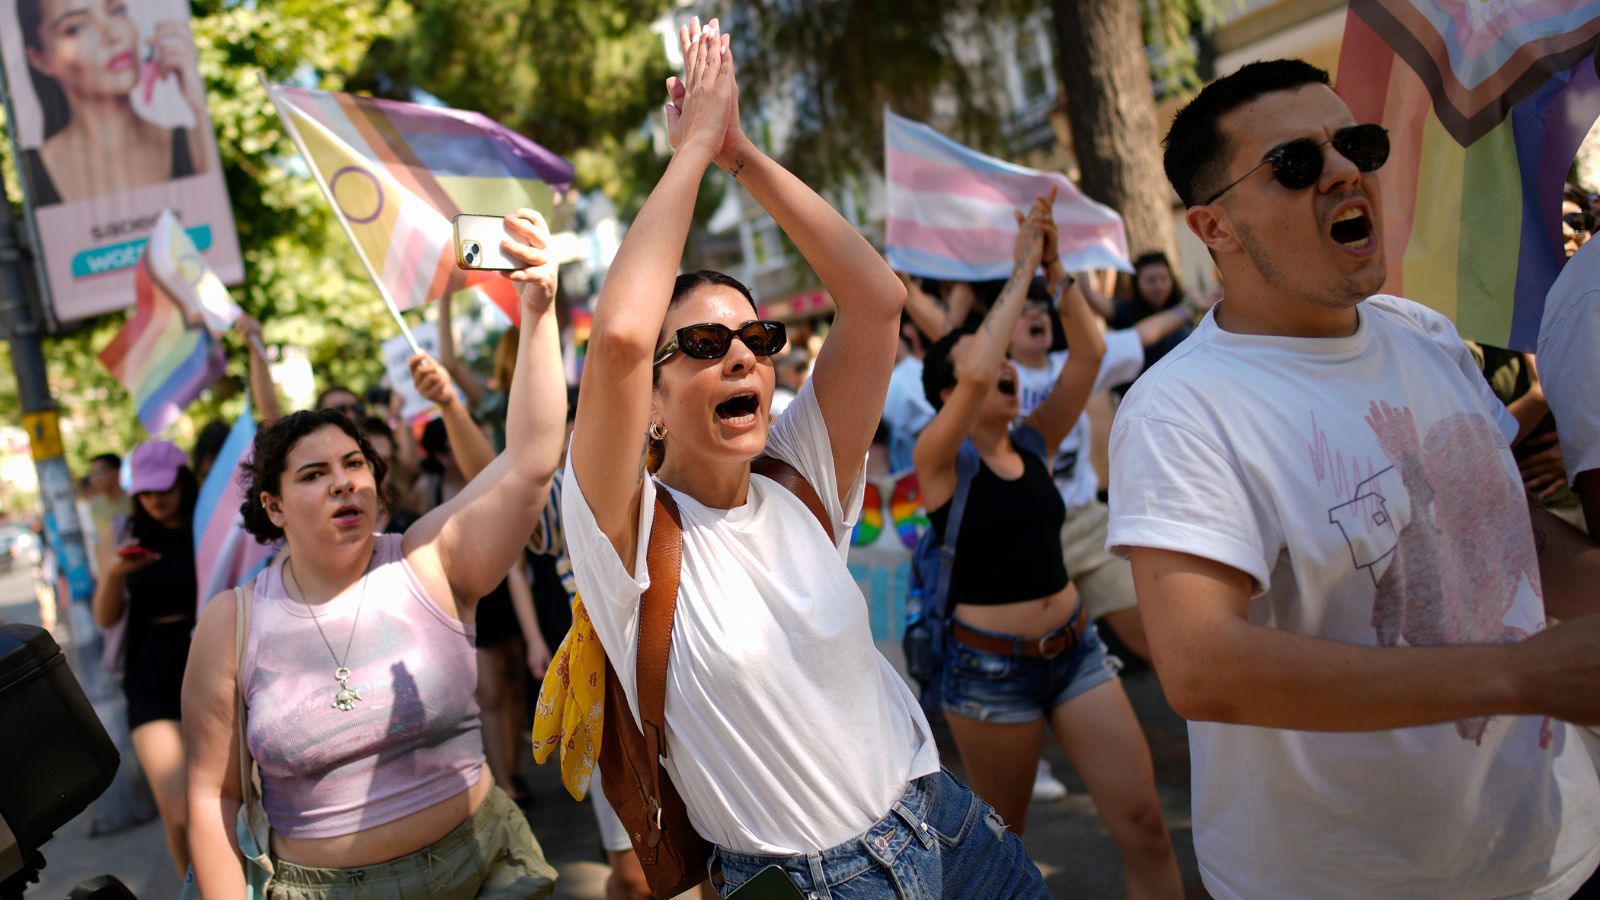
[
  {"x": 790, "y": 738},
  {"x": 147, "y": 571}
]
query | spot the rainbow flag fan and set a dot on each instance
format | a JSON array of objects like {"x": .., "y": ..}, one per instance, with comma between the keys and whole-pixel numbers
[
  {"x": 164, "y": 355},
  {"x": 1486, "y": 104},
  {"x": 398, "y": 173}
]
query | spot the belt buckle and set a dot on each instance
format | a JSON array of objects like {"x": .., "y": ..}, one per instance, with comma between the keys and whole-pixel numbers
[{"x": 1045, "y": 652}]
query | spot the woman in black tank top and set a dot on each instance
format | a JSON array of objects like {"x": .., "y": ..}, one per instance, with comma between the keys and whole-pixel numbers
[
  {"x": 1017, "y": 649},
  {"x": 86, "y": 63}
]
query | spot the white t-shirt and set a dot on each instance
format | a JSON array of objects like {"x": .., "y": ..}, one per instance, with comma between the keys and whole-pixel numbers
[
  {"x": 1122, "y": 363},
  {"x": 1365, "y": 484},
  {"x": 1569, "y": 359},
  {"x": 787, "y": 731},
  {"x": 906, "y": 411}
]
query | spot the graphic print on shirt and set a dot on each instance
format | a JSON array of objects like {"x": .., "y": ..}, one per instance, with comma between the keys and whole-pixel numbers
[{"x": 1448, "y": 572}]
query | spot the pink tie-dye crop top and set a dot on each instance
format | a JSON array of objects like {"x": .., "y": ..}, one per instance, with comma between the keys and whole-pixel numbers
[{"x": 411, "y": 741}]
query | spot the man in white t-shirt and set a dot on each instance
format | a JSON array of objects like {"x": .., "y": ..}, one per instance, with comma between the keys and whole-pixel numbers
[
  {"x": 1333, "y": 551},
  {"x": 1569, "y": 369}
]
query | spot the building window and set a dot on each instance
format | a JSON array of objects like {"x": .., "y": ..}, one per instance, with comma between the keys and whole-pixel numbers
[{"x": 1035, "y": 78}]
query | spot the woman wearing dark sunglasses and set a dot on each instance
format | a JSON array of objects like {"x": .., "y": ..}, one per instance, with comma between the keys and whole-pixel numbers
[{"x": 790, "y": 738}]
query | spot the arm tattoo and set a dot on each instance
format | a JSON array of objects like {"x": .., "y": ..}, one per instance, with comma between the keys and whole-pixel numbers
[{"x": 736, "y": 168}]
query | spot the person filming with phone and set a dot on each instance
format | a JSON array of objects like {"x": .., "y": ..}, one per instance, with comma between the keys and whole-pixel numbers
[{"x": 147, "y": 580}]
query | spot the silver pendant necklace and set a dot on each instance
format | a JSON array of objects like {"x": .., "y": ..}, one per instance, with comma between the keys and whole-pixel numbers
[{"x": 347, "y": 697}]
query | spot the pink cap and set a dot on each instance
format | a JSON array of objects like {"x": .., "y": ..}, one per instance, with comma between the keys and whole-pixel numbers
[{"x": 155, "y": 466}]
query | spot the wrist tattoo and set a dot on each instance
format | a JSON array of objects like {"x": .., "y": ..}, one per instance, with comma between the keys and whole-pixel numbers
[{"x": 736, "y": 168}]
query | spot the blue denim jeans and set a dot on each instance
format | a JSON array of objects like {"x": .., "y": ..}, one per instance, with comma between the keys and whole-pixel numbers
[
  {"x": 1009, "y": 688},
  {"x": 938, "y": 840}
]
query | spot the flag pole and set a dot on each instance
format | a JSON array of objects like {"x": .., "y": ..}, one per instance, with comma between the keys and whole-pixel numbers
[{"x": 299, "y": 143}]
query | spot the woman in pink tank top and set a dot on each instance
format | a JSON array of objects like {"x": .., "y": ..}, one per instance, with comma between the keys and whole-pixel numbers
[{"x": 358, "y": 670}]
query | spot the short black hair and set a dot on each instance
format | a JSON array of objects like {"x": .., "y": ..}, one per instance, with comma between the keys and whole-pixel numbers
[
  {"x": 372, "y": 427},
  {"x": 270, "y": 457},
  {"x": 109, "y": 459},
  {"x": 938, "y": 369},
  {"x": 208, "y": 445},
  {"x": 332, "y": 389},
  {"x": 1196, "y": 149}
]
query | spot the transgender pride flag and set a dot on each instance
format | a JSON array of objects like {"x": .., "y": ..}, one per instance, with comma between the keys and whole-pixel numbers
[
  {"x": 225, "y": 555},
  {"x": 950, "y": 210}
]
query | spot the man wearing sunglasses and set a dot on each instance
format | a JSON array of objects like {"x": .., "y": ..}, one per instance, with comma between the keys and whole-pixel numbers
[{"x": 1335, "y": 563}]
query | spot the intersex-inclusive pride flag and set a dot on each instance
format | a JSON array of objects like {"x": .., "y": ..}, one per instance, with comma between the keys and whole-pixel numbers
[
  {"x": 178, "y": 264},
  {"x": 398, "y": 173},
  {"x": 225, "y": 555},
  {"x": 1486, "y": 102},
  {"x": 163, "y": 355},
  {"x": 950, "y": 209}
]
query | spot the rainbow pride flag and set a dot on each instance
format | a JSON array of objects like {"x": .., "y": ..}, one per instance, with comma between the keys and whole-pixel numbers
[
  {"x": 950, "y": 209},
  {"x": 1486, "y": 104},
  {"x": 398, "y": 173},
  {"x": 163, "y": 355},
  {"x": 225, "y": 555}
]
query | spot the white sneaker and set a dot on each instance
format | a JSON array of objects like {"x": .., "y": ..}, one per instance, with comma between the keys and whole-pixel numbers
[{"x": 1045, "y": 785}]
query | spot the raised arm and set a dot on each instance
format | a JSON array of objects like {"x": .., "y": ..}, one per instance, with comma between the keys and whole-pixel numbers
[
  {"x": 852, "y": 372},
  {"x": 925, "y": 312},
  {"x": 1217, "y": 666},
  {"x": 977, "y": 370},
  {"x": 463, "y": 375},
  {"x": 263, "y": 392},
  {"x": 1061, "y": 408},
  {"x": 614, "y": 405},
  {"x": 470, "y": 542},
  {"x": 468, "y": 443},
  {"x": 211, "y": 745}
]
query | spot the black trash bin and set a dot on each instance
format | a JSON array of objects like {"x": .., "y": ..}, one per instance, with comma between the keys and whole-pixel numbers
[{"x": 55, "y": 756}]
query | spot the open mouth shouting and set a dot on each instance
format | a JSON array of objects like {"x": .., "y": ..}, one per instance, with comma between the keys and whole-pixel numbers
[
  {"x": 347, "y": 516},
  {"x": 1352, "y": 229},
  {"x": 1007, "y": 385},
  {"x": 739, "y": 411}
]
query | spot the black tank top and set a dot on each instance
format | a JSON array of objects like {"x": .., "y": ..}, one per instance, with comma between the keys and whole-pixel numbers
[
  {"x": 44, "y": 190},
  {"x": 1009, "y": 547}
]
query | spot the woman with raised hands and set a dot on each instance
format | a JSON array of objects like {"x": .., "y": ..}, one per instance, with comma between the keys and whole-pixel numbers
[
  {"x": 791, "y": 740},
  {"x": 358, "y": 670},
  {"x": 1018, "y": 650}
]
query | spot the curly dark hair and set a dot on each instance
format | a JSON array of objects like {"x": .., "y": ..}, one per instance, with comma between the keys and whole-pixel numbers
[{"x": 270, "y": 456}]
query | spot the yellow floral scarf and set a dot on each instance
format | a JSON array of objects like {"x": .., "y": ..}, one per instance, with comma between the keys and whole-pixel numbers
[{"x": 572, "y": 703}]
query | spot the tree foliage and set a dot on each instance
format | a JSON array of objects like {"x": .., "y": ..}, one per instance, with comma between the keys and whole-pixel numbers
[{"x": 573, "y": 74}]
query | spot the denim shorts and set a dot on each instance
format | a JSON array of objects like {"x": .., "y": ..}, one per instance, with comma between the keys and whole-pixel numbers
[
  {"x": 1010, "y": 689},
  {"x": 938, "y": 840}
]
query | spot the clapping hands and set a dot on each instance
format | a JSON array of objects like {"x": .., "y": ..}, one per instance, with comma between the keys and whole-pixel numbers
[
  {"x": 703, "y": 105},
  {"x": 1036, "y": 235}
]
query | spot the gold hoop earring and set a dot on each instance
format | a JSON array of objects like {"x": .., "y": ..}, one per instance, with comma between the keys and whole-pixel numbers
[{"x": 658, "y": 432}]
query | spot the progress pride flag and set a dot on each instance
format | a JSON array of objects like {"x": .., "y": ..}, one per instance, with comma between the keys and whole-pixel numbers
[{"x": 950, "y": 209}]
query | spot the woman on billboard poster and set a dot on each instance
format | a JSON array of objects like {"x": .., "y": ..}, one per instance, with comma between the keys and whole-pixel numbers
[{"x": 88, "y": 65}]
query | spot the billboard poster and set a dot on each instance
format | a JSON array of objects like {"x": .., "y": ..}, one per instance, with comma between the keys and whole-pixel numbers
[{"x": 109, "y": 120}]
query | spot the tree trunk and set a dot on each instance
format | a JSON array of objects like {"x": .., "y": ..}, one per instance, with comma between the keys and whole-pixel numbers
[{"x": 1111, "y": 109}]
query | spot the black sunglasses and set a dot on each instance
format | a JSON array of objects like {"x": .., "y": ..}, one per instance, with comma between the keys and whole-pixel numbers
[
  {"x": 1577, "y": 221},
  {"x": 1298, "y": 164},
  {"x": 711, "y": 340}
]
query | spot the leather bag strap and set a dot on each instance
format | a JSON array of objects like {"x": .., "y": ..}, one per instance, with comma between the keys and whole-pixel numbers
[
  {"x": 795, "y": 483},
  {"x": 657, "y": 608}
]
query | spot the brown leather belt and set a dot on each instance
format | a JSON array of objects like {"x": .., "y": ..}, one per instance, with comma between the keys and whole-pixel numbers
[{"x": 1048, "y": 646}]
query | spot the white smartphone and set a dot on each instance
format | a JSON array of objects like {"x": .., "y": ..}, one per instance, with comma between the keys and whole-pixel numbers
[{"x": 478, "y": 243}]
